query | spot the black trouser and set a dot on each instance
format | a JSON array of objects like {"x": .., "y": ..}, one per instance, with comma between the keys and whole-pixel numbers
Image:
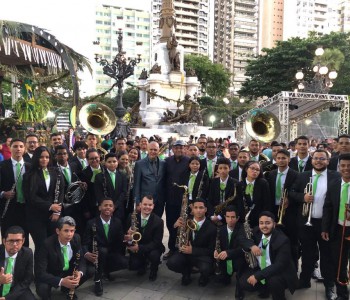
[
  {"x": 183, "y": 263},
  {"x": 238, "y": 265},
  {"x": 139, "y": 260},
  {"x": 15, "y": 216},
  {"x": 310, "y": 237},
  {"x": 275, "y": 284},
  {"x": 26, "y": 295},
  {"x": 172, "y": 214},
  {"x": 342, "y": 290}
]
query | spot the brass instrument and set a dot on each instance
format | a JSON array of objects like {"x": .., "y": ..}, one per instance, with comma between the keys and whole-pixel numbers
[
  {"x": 75, "y": 274},
  {"x": 136, "y": 235},
  {"x": 74, "y": 194},
  {"x": 307, "y": 207},
  {"x": 222, "y": 206},
  {"x": 13, "y": 188},
  {"x": 249, "y": 257},
  {"x": 183, "y": 232},
  {"x": 97, "y": 278},
  {"x": 282, "y": 207},
  {"x": 347, "y": 210},
  {"x": 262, "y": 125}
]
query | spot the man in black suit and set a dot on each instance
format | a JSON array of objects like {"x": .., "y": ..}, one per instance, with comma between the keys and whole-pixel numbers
[
  {"x": 150, "y": 247},
  {"x": 32, "y": 142},
  {"x": 343, "y": 148},
  {"x": 11, "y": 175},
  {"x": 335, "y": 217},
  {"x": 276, "y": 270},
  {"x": 243, "y": 158},
  {"x": 107, "y": 232},
  {"x": 209, "y": 162},
  {"x": 254, "y": 148},
  {"x": 199, "y": 250},
  {"x": 56, "y": 140},
  {"x": 16, "y": 264},
  {"x": 58, "y": 257},
  {"x": 310, "y": 235},
  {"x": 112, "y": 184},
  {"x": 302, "y": 161},
  {"x": 233, "y": 149},
  {"x": 270, "y": 165},
  {"x": 79, "y": 159},
  {"x": 280, "y": 182}
]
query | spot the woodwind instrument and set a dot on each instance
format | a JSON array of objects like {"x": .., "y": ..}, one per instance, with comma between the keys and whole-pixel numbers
[
  {"x": 249, "y": 256},
  {"x": 307, "y": 207},
  {"x": 57, "y": 189},
  {"x": 222, "y": 206},
  {"x": 200, "y": 187},
  {"x": 97, "y": 277},
  {"x": 13, "y": 188},
  {"x": 136, "y": 235},
  {"x": 130, "y": 186},
  {"x": 343, "y": 238},
  {"x": 75, "y": 275},
  {"x": 218, "y": 249},
  {"x": 105, "y": 192},
  {"x": 282, "y": 207}
]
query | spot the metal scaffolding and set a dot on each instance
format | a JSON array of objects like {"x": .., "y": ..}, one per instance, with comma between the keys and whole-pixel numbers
[{"x": 294, "y": 107}]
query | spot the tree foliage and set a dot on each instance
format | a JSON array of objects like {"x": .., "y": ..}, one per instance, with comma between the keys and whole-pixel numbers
[
  {"x": 215, "y": 80},
  {"x": 274, "y": 71}
]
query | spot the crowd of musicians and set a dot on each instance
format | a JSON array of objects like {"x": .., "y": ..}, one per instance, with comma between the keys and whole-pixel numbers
[{"x": 230, "y": 211}]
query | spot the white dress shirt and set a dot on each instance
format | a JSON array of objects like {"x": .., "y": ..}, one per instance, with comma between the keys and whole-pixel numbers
[{"x": 320, "y": 195}]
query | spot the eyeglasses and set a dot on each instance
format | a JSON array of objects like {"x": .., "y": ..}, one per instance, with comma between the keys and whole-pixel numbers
[
  {"x": 13, "y": 242},
  {"x": 94, "y": 158},
  {"x": 320, "y": 158},
  {"x": 254, "y": 169}
]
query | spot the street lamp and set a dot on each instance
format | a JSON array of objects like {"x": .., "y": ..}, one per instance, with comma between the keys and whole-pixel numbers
[
  {"x": 241, "y": 100},
  {"x": 120, "y": 69},
  {"x": 212, "y": 120}
]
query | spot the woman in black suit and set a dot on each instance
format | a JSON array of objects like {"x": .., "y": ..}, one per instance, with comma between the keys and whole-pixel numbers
[
  {"x": 43, "y": 194},
  {"x": 255, "y": 190}
]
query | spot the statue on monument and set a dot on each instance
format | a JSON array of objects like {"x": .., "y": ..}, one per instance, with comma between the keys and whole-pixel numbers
[
  {"x": 174, "y": 55},
  {"x": 156, "y": 69}
]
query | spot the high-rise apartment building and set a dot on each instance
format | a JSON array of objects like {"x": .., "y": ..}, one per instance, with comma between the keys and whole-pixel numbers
[
  {"x": 236, "y": 35},
  {"x": 136, "y": 26},
  {"x": 344, "y": 16},
  {"x": 192, "y": 29}
]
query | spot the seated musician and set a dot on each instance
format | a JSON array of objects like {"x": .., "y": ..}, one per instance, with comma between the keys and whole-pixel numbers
[
  {"x": 230, "y": 257},
  {"x": 16, "y": 272},
  {"x": 196, "y": 248},
  {"x": 107, "y": 232},
  {"x": 58, "y": 258},
  {"x": 276, "y": 270},
  {"x": 150, "y": 247}
]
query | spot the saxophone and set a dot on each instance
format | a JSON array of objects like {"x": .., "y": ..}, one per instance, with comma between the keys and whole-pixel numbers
[
  {"x": 136, "y": 235},
  {"x": 97, "y": 278},
  {"x": 222, "y": 206},
  {"x": 75, "y": 275},
  {"x": 249, "y": 257},
  {"x": 183, "y": 232}
]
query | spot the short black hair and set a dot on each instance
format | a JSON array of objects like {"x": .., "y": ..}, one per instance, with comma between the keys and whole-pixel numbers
[
  {"x": 231, "y": 208},
  {"x": 16, "y": 140},
  {"x": 322, "y": 151},
  {"x": 109, "y": 155},
  {"x": 80, "y": 144},
  {"x": 302, "y": 137},
  {"x": 92, "y": 134},
  {"x": 14, "y": 230},
  {"x": 283, "y": 151},
  {"x": 223, "y": 161},
  {"x": 91, "y": 150},
  {"x": 199, "y": 199},
  {"x": 267, "y": 213},
  {"x": 105, "y": 199},
  {"x": 345, "y": 156},
  {"x": 149, "y": 197},
  {"x": 194, "y": 158},
  {"x": 233, "y": 144},
  {"x": 60, "y": 147},
  {"x": 344, "y": 136},
  {"x": 54, "y": 134},
  {"x": 31, "y": 135},
  {"x": 67, "y": 220},
  {"x": 276, "y": 145}
]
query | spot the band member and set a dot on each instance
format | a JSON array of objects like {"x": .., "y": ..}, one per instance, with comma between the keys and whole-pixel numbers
[
  {"x": 119, "y": 145},
  {"x": 343, "y": 148},
  {"x": 199, "y": 250},
  {"x": 176, "y": 165},
  {"x": 335, "y": 225},
  {"x": 79, "y": 159},
  {"x": 192, "y": 151},
  {"x": 112, "y": 184},
  {"x": 134, "y": 156},
  {"x": 55, "y": 140},
  {"x": 254, "y": 147},
  {"x": 281, "y": 182},
  {"x": 255, "y": 190},
  {"x": 43, "y": 189},
  {"x": 222, "y": 189},
  {"x": 302, "y": 161},
  {"x": 233, "y": 149},
  {"x": 209, "y": 163},
  {"x": 309, "y": 220},
  {"x": 60, "y": 254},
  {"x": 143, "y": 147},
  {"x": 109, "y": 248},
  {"x": 15, "y": 281},
  {"x": 91, "y": 141},
  {"x": 150, "y": 247},
  {"x": 242, "y": 159},
  {"x": 276, "y": 270},
  {"x": 32, "y": 142},
  {"x": 231, "y": 256},
  {"x": 201, "y": 144},
  {"x": 11, "y": 183},
  {"x": 149, "y": 178},
  {"x": 271, "y": 164}
]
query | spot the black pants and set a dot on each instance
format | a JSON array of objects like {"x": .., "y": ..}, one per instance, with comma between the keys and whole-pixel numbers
[
  {"x": 275, "y": 284},
  {"x": 238, "y": 265},
  {"x": 183, "y": 263},
  {"x": 172, "y": 214},
  {"x": 310, "y": 238},
  {"x": 139, "y": 260}
]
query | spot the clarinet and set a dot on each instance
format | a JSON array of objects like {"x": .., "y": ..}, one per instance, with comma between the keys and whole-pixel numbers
[
  {"x": 218, "y": 249},
  {"x": 127, "y": 196},
  {"x": 75, "y": 275},
  {"x": 97, "y": 278},
  {"x": 105, "y": 192},
  {"x": 200, "y": 187}
]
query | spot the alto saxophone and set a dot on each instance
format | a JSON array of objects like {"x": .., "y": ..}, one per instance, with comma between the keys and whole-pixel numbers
[
  {"x": 136, "y": 235},
  {"x": 97, "y": 278},
  {"x": 249, "y": 256},
  {"x": 75, "y": 275}
]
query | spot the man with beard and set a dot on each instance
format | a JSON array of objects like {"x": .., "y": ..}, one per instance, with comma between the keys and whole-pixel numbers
[
  {"x": 242, "y": 159},
  {"x": 254, "y": 148},
  {"x": 32, "y": 143},
  {"x": 310, "y": 236},
  {"x": 192, "y": 151},
  {"x": 209, "y": 163},
  {"x": 201, "y": 144}
]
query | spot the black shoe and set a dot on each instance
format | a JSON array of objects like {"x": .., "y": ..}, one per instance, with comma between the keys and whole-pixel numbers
[
  {"x": 264, "y": 293},
  {"x": 239, "y": 295},
  {"x": 169, "y": 254},
  {"x": 330, "y": 294},
  {"x": 152, "y": 275},
  {"x": 98, "y": 290},
  {"x": 342, "y": 298},
  {"x": 303, "y": 285},
  {"x": 203, "y": 281},
  {"x": 186, "y": 279},
  {"x": 141, "y": 272},
  {"x": 222, "y": 279},
  {"x": 194, "y": 270}
]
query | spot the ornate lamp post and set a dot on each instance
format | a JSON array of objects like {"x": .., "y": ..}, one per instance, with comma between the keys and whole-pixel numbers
[
  {"x": 119, "y": 69},
  {"x": 322, "y": 80}
]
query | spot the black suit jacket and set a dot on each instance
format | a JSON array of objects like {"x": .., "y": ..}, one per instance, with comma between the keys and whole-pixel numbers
[
  {"x": 204, "y": 166},
  {"x": 234, "y": 173},
  {"x": 23, "y": 272},
  {"x": 114, "y": 242},
  {"x": 234, "y": 248},
  {"x": 204, "y": 188},
  {"x": 27, "y": 158},
  {"x": 333, "y": 163},
  {"x": 293, "y": 164},
  {"x": 89, "y": 202},
  {"x": 280, "y": 256},
  {"x": 78, "y": 165},
  {"x": 117, "y": 194},
  {"x": 268, "y": 166},
  {"x": 49, "y": 268}
]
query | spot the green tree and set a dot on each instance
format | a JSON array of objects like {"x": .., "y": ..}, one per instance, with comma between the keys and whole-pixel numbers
[
  {"x": 215, "y": 80},
  {"x": 274, "y": 71}
]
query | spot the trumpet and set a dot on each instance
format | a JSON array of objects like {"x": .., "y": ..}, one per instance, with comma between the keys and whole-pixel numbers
[
  {"x": 347, "y": 211},
  {"x": 282, "y": 207},
  {"x": 307, "y": 207}
]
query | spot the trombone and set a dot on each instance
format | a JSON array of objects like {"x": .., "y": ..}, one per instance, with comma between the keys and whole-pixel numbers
[
  {"x": 282, "y": 207},
  {"x": 347, "y": 210},
  {"x": 307, "y": 207}
]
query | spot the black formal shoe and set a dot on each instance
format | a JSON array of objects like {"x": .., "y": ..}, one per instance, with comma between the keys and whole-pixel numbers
[
  {"x": 152, "y": 275},
  {"x": 342, "y": 298},
  {"x": 330, "y": 294},
  {"x": 169, "y": 254},
  {"x": 186, "y": 279},
  {"x": 303, "y": 285},
  {"x": 203, "y": 280},
  {"x": 98, "y": 289},
  {"x": 263, "y": 294},
  {"x": 141, "y": 272},
  {"x": 239, "y": 295}
]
